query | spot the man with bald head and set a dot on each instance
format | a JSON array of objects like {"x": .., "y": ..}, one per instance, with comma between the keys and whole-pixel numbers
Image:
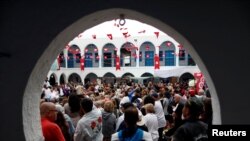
[{"x": 51, "y": 130}]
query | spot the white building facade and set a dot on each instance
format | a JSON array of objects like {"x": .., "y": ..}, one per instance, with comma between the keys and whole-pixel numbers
[{"x": 135, "y": 48}]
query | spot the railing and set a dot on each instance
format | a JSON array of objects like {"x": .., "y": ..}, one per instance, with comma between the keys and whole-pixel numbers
[{"x": 124, "y": 62}]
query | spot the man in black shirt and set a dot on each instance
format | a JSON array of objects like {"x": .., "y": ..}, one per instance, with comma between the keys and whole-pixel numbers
[{"x": 193, "y": 129}]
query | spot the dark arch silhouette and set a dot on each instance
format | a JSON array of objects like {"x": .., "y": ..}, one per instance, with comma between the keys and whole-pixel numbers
[
  {"x": 75, "y": 78},
  {"x": 147, "y": 75},
  {"x": 185, "y": 77},
  {"x": 91, "y": 77},
  {"x": 128, "y": 74},
  {"x": 52, "y": 79},
  {"x": 62, "y": 79}
]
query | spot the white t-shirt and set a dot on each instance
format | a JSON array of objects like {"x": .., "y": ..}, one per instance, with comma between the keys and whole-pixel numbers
[
  {"x": 152, "y": 124},
  {"x": 160, "y": 114}
]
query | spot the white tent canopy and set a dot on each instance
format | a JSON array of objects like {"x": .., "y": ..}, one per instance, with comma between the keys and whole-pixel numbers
[{"x": 176, "y": 71}]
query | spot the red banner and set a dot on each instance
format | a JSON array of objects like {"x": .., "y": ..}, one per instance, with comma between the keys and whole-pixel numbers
[
  {"x": 58, "y": 62},
  {"x": 157, "y": 62},
  {"x": 82, "y": 63},
  {"x": 118, "y": 66},
  {"x": 200, "y": 80}
]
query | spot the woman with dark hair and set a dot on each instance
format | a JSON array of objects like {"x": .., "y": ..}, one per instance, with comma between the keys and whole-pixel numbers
[
  {"x": 61, "y": 122},
  {"x": 131, "y": 132},
  {"x": 72, "y": 108}
]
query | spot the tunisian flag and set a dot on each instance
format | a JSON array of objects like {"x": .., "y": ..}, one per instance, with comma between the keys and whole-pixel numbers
[
  {"x": 118, "y": 66},
  {"x": 157, "y": 62},
  {"x": 200, "y": 80},
  {"x": 82, "y": 63},
  {"x": 58, "y": 62}
]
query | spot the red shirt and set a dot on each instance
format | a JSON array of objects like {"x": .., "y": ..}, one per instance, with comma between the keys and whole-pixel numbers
[{"x": 51, "y": 131}]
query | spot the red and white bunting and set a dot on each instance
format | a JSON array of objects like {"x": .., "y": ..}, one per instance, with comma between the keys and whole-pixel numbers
[
  {"x": 110, "y": 36},
  {"x": 200, "y": 80},
  {"x": 169, "y": 44},
  {"x": 143, "y": 31},
  {"x": 58, "y": 62},
  {"x": 82, "y": 63},
  {"x": 126, "y": 35},
  {"x": 157, "y": 34},
  {"x": 118, "y": 67},
  {"x": 157, "y": 62}
]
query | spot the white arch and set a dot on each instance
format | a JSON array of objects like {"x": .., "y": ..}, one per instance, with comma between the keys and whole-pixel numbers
[{"x": 31, "y": 117}]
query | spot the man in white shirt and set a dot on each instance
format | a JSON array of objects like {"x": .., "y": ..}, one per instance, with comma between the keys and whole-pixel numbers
[{"x": 89, "y": 127}]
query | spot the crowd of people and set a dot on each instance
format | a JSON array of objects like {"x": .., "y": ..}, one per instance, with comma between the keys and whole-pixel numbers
[{"x": 125, "y": 111}]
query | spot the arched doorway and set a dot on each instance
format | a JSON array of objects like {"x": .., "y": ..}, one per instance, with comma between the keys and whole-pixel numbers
[
  {"x": 52, "y": 79},
  {"x": 74, "y": 56},
  {"x": 91, "y": 56},
  {"x": 146, "y": 54},
  {"x": 185, "y": 77},
  {"x": 62, "y": 79},
  {"x": 74, "y": 78},
  {"x": 109, "y": 78},
  {"x": 109, "y": 51},
  {"x": 167, "y": 54},
  {"x": 91, "y": 77},
  {"x": 128, "y": 55},
  {"x": 147, "y": 77}
]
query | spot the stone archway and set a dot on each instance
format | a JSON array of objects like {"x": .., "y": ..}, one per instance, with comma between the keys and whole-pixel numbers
[{"x": 30, "y": 102}]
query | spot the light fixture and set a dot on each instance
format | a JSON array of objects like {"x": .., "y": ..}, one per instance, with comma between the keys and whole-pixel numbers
[{"x": 122, "y": 20}]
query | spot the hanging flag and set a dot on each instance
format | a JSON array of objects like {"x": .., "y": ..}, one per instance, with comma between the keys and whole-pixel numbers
[
  {"x": 125, "y": 34},
  {"x": 199, "y": 81},
  {"x": 94, "y": 36},
  {"x": 118, "y": 67},
  {"x": 110, "y": 36},
  {"x": 157, "y": 62},
  {"x": 157, "y": 34},
  {"x": 82, "y": 63},
  {"x": 143, "y": 31},
  {"x": 168, "y": 44},
  {"x": 58, "y": 62}
]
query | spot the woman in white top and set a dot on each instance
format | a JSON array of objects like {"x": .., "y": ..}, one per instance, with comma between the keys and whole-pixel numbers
[{"x": 151, "y": 121}]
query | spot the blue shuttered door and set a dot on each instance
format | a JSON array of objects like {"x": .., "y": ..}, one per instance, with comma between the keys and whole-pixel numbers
[
  {"x": 88, "y": 60},
  {"x": 70, "y": 60},
  {"x": 149, "y": 58},
  {"x": 169, "y": 58}
]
